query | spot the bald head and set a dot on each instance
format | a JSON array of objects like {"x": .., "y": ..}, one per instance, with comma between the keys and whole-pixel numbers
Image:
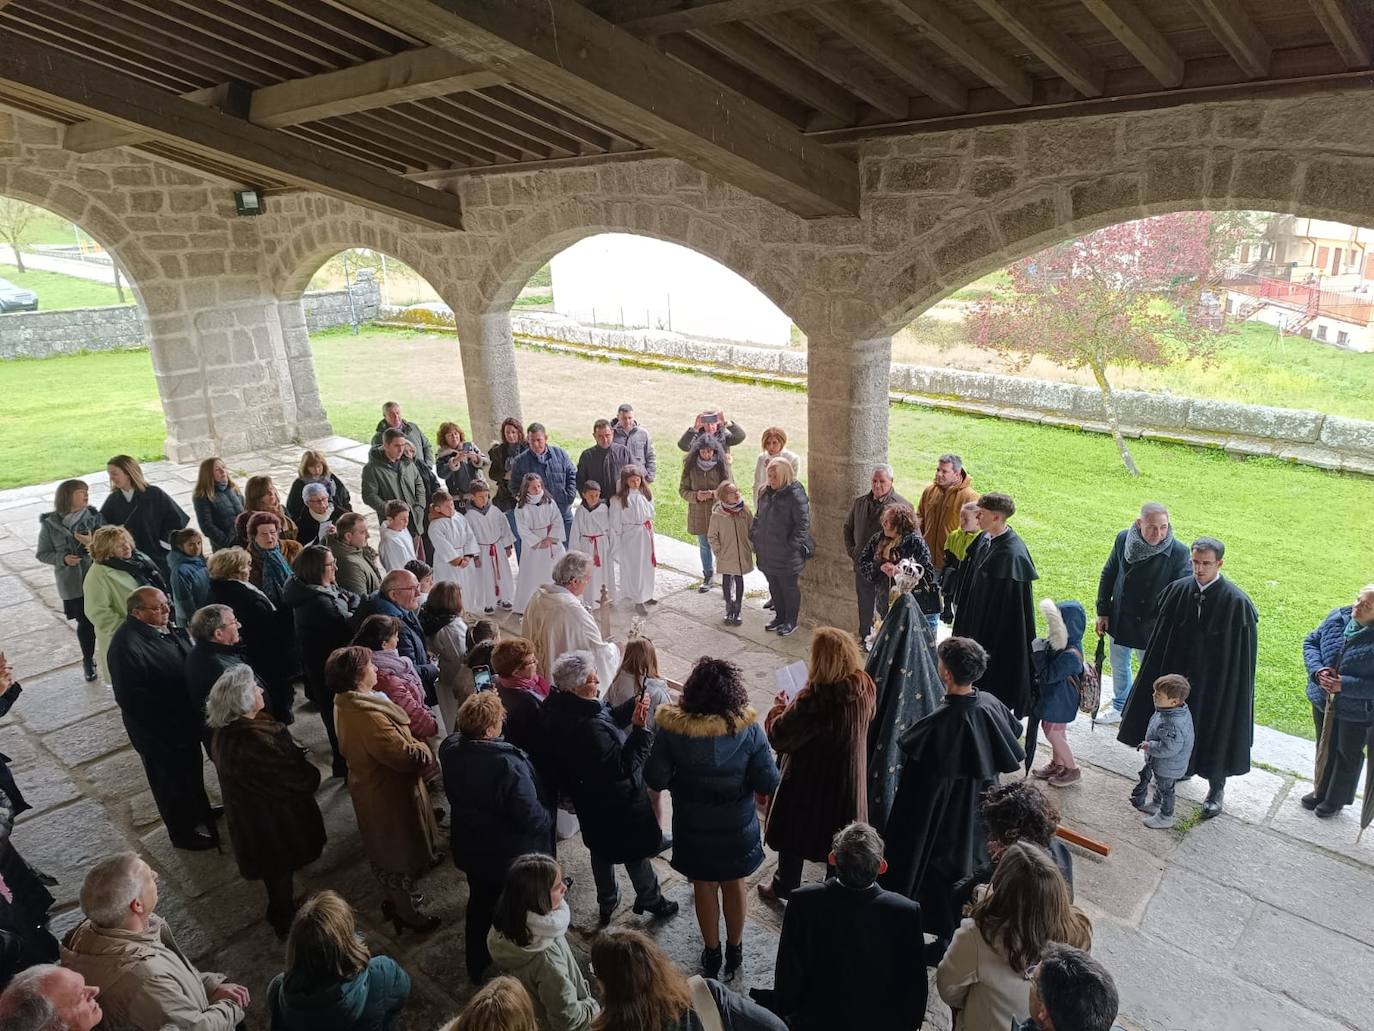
[
  {"x": 148, "y": 605},
  {"x": 402, "y": 589}
]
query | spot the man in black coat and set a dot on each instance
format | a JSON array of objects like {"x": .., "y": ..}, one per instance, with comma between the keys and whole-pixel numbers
[
  {"x": 147, "y": 664},
  {"x": 496, "y": 814},
  {"x": 603, "y": 461},
  {"x": 864, "y": 520},
  {"x": 845, "y": 958},
  {"x": 214, "y": 630},
  {"x": 591, "y": 760},
  {"x": 400, "y": 598},
  {"x": 1145, "y": 559},
  {"x": 1207, "y": 632},
  {"x": 995, "y": 606}
]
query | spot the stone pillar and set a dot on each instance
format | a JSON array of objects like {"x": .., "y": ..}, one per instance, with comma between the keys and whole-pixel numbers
[
  {"x": 489, "y": 375},
  {"x": 311, "y": 420},
  {"x": 846, "y": 411}
]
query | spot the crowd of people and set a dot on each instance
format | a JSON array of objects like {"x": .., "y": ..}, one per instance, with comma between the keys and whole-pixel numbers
[{"x": 886, "y": 766}]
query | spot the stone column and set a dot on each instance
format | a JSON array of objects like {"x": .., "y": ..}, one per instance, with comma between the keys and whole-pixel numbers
[
  {"x": 311, "y": 420},
  {"x": 846, "y": 410},
  {"x": 489, "y": 375}
]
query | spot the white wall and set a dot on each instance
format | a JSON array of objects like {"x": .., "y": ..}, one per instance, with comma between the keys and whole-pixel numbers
[{"x": 649, "y": 283}]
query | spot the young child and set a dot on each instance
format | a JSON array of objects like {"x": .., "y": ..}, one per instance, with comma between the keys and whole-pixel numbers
[
  {"x": 632, "y": 523},
  {"x": 639, "y": 673},
  {"x": 483, "y": 636},
  {"x": 540, "y": 526},
  {"x": 591, "y": 533},
  {"x": 957, "y": 543},
  {"x": 396, "y": 547},
  {"x": 451, "y": 543},
  {"x": 1056, "y": 657},
  {"x": 190, "y": 579},
  {"x": 729, "y": 536},
  {"x": 492, "y": 581},
  {"x": 1168, "y": 746}
]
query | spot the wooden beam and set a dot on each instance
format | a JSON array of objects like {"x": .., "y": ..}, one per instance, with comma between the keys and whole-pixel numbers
[
  {"x": 786, "y": 33},
  {"x": 1349, "y": 31},
  {"x": 1124, "y": 20},
  {"x": 903, "y": 61},
  {"x": 410, "y": 75},
  {"x": 1233, "y": 28},
  {"x": 698, "y": 55},
  {"x": 952, "y": 36},
  {"x": 559, "y": 49},
  {"x": 87, "y": 90},
  {"x": 1057, "y": 50},
  {"x": 659, "y": 17},
  {"x": 773, "y": 66}
]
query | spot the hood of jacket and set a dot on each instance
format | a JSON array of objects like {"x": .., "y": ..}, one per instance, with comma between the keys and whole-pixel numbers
[
  {"x": 707, "y": 735},
  {"x": 177, "y": 559},
  {"x": 395, "y": 663},
  {"x": 308, "y": 1006},
  {"x": 1066, "y": 622},
  {"x": 298, "y": 593},
  {"x": 704, "y": 440},
  {"x": 90, "y": 519},
  {"x": 405, "y": 427}
]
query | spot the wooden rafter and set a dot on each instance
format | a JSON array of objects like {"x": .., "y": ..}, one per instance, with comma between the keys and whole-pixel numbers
[
  {"x": 1348, "y": 30},
  {"x": 707, "y": 61},
  {"x": 659, "y": 17},
  {"x": 1057, "y": 50},
  {"x": 87, "y": 89},
  {"x": 1234, "y": 30},
  {"x": 955, "y": 38},
  {"x": 412, "y": 75},
  {"x": 903, "y": 61},
  {"x": 1127, "y": 22},
  {"x": 789, "y": 35},
  {"x": 770, "y": 64},
  {"x": 558, "y": 48}
]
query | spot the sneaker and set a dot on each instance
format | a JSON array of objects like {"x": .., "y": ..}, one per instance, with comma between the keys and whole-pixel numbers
[
  {"x": 1110, "y": 718},
  {"x": 774, "y": 625},
  {"x": 1047, "y": 771},
  {"x": 788, "y": 630},
  {"x": 1158, "y": 821},
  {"x": 706, "y": 586},
  {"x": 1064, "y": 778}
]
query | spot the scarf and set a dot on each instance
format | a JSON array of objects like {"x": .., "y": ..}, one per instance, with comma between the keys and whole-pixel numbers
[
  {"x": 546, "y": 928},
  {"x": 141, "y": 568},
  {"x": 707, "y": 464},
  {"x": 1352, "y": 628},
  {"x": 1138, "y": 549},
  {"x": 73, "y": 518},
  {"x": 432, "y": 622},
  {"x": 734, "y": 509},
  {"x": 535, "y": 685},
  {"x": 275, "y": 573}
]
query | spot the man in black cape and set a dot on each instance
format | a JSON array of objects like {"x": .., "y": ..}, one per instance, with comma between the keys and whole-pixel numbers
[
  {"x": 1206, "y": 631},
  {"x": 935, "y": 836},
  {"x": 995, "y": 607}
]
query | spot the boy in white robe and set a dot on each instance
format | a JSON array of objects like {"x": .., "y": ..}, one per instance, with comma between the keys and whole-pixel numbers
[
  {"x": 453, "y": 543},
  {"x": 591, "y": 533},
  {"x": 493, "y": 582},
  {"x": 397, "y": 546}
]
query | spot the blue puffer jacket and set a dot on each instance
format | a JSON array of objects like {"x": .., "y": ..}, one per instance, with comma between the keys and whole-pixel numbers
[
  {"x": 1057, "y": 658},
  {"x": 190, "y": 584},
  {"x": 554, "y": 467},
  {"x": 368, "y": 1001},
  {"x": 1355, "y": 700},
  {"x": 713, "y": 775}
]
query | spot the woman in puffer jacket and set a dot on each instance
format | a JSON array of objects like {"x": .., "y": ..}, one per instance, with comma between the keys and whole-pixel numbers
[{"x": 781, "y": 536}]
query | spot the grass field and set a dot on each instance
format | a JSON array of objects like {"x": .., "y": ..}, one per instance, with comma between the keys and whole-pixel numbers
[
  {"x": 58, "y": 292},
  {"x": 64, "y": 416}
]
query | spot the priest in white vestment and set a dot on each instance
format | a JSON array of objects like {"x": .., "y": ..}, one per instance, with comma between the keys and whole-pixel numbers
[{"x": 555, "y": 621}]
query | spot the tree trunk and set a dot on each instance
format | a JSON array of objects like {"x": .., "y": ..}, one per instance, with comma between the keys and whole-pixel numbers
[
  {"x": 18, "y": 258},
  {"x": 1113, "y": 421},
  {"x": 118, "y": 285}
]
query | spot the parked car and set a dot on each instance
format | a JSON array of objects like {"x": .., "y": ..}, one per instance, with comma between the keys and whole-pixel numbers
[{"x": 16, "y": 298}]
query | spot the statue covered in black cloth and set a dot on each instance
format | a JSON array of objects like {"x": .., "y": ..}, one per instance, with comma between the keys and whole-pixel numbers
[
  {"x": 902, "y": 665},
  {"x": 994, "y": 604},
  {"x": 935, "y": 837},
  {"x": 1206, "y": 630}
]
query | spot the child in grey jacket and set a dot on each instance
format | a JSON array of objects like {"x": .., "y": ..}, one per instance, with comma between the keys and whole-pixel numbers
[{"x": 1168, "y": 747}]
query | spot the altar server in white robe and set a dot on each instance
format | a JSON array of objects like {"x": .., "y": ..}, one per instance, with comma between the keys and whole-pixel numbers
[
  {"x": 453, "y": 545},
  {"x": 493, "y": 582},
  {"x": 632, "y": 524},
  {"x": 539, "y": 522},
  {"x": 591, "y": 533}
]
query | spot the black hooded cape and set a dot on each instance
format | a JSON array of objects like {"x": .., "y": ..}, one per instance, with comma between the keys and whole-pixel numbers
[
  {"x": 995, "y": 608},
  {"x": 935, "y": 837},
  {"x": 902, "y": 665},
  {"x": 1210, "y": 637}
]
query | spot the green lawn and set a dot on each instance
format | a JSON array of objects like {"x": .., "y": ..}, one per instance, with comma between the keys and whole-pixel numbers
[
  {"x": 1071, "y": 492},
  {"x": 59, "y": 292}
]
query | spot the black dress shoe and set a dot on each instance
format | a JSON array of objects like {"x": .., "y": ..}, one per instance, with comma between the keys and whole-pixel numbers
[
  {"x": 1310, "y": 800},
  {"x": 774, "y": 625},
  {"x": 88, "y": 670},
  {"x": 216, "y": 811},
  {"x": 1212, "y": 807},
  {"x": 197, "y": 842},
  {"x": 661, "y": 910},
  {"x": 1328, "y": 809},
  {"x": 768, "y": 604}
]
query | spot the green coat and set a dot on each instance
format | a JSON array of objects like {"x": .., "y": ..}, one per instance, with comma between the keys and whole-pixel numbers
[
  {"x": 107, "y": 591},
  {"x": 383, "y": 482},
  {"x": 695, "y": 478}
]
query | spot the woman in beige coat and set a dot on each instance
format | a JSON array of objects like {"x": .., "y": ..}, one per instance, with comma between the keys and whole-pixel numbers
[
  {"x": 387, "y": 768},
  {"x": 728, "y": 534}
]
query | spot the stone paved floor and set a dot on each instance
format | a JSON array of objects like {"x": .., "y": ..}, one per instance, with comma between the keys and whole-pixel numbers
[{"x": 1261, "y": 920}]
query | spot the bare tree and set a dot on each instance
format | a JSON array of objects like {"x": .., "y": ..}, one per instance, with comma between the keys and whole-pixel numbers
[{"x": 16, "y": 226}]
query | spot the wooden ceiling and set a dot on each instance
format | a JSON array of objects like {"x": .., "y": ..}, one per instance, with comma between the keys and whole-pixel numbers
[{"x": 391, "y": 102}]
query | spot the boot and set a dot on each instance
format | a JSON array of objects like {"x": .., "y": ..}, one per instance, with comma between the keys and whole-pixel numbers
[
  {"x": 88, "y": 670},
  {"x": 710, "y": 962},
  {"x": 1215, "y": 796},
  {"x": 734, "y": 959}
]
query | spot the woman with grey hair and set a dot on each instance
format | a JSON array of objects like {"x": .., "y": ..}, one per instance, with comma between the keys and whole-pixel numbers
[
  {"x": 318, "y": 513},
  {"x": 268, "y": 786},
  {"x": 594, "y": 761}
]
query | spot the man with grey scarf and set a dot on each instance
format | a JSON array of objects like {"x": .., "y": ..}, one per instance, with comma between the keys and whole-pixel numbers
[{"x": 1145, "y": 559}]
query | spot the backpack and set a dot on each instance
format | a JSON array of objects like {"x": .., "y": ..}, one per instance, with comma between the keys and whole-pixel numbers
[{"x": 1088, "y": 684}]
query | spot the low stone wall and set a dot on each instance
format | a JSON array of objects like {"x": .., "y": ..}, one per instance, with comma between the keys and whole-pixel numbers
[
  {"x": 1297, "y": 435},
  {"x": 326, "y": 308}
]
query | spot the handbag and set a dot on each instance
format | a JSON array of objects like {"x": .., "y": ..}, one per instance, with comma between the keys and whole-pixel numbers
[
  {"x": 704, "y": 1004},
  {"x": 1088, "y": 684}
]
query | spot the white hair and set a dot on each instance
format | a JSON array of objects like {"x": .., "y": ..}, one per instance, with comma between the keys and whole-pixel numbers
[
  {"x": 109, "y": 887},
  {"x": 571, "y": 670},
  {"x": 572, "y": 566},
  {"x": 884, "y": 468},
  {"x": 24, "y": 1006},
  {"x": 231, "y": 696},
  {"x": 1366, "y": 589},
  {"x": 1152, "y": 508}
]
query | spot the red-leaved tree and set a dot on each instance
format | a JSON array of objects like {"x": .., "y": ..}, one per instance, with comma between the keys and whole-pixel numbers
[{"x": 1135, "y": 294}]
